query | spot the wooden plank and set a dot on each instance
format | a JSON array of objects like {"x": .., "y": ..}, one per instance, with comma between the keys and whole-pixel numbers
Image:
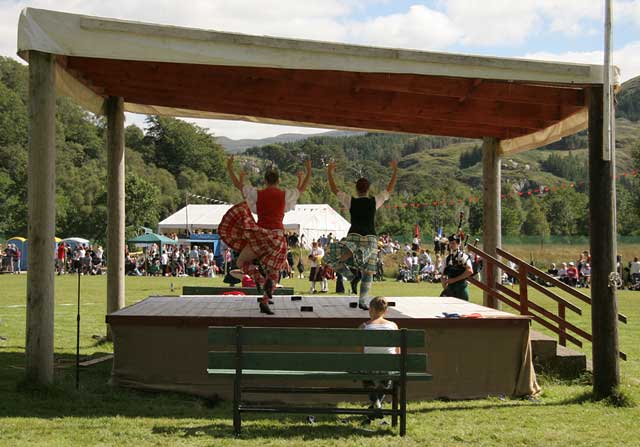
[
  {"x": 471, "y": 112},
  {"x": 319, "y": 375},
  {"x": 97, "y": 360},
  {"x": 341, "y": 80},
  {"x": 555, "y": 297},
  {"x": 318, "y": 361},
  {"x": 314, "y": 337}
]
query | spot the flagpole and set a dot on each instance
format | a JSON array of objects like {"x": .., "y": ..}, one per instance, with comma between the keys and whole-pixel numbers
[
  {"x": 186, "y": 211},
  {"x": 608, "y": 144}
]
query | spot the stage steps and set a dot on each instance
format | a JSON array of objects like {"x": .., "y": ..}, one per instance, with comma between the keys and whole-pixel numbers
[{"x": 550, "y": 357}]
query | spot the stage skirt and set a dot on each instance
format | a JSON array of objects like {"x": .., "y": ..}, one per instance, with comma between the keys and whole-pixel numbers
[{"x": 238, "y": 229}]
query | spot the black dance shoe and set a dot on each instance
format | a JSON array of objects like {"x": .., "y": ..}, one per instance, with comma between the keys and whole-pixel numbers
[{"x": 265, "y": 309}]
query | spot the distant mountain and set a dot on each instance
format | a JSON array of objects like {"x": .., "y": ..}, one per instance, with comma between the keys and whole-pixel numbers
[{"x": 235, "y": 146}]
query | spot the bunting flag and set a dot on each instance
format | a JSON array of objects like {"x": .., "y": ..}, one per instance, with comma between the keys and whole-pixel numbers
[
  {"x": 539, "y": 191},
  {"x": 207, "y": 199}
]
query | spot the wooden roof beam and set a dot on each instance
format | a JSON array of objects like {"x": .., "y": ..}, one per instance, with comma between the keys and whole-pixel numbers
[{"x": 401, "y": 83}]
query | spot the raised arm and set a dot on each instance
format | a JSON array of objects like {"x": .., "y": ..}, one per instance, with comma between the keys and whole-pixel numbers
[
  {"x": 332, "y": 183},
  {"x": 238, "y": 182},
  {"x": 302, "y": 185},
  {"x": 394, "y": 176}
]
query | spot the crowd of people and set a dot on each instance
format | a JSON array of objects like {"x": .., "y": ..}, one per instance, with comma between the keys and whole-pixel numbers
[
  {"x": 578, "y": 274},
  {"x": 10, "y": 257},
  {"x": 196, "y": 261},
  {"x": 79, "y": 258}
]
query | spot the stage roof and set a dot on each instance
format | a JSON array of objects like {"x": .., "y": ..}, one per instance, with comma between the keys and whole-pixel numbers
[{"x": 187, "y": 72}]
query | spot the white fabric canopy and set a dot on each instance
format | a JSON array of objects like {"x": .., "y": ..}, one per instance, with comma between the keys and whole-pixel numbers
[{"x": 311, "y": 220}]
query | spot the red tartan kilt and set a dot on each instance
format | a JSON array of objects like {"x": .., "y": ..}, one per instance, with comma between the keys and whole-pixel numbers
[{"x": 238, "y": 229}]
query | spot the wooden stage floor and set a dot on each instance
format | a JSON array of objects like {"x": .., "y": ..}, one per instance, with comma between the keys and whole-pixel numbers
[
  {"x": 230, "y": 309},
  {"x": 161, "y": 342}
]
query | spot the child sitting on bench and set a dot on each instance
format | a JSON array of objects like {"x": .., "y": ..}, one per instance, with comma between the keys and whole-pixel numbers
[{"x": 377, "y": 311}]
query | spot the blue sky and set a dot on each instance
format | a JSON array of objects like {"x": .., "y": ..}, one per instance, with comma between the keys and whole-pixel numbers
[{"x": 562, "y": 30}]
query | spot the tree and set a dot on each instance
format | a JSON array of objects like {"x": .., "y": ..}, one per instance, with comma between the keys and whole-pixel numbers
[
  {"x": 141, "y": 203},
  {"x": 512, "y": 216},
  {"x": 179, "y": 145},
  {"x": 535, "y": 223}
]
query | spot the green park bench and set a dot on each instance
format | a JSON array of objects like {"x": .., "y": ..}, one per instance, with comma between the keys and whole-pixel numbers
[
  {"x": 214, "y": 290},
  {"x": 278, "y": 362}
]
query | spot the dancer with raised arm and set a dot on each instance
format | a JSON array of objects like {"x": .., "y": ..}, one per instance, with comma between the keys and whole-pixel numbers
[
  {"x": 264, "y": 240},
  {"x": 360, "y": 248}
]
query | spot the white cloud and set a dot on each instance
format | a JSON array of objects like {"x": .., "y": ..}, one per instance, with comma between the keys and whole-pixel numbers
[
  {"x": 493, "y": 22},
  {"x": 419, "y": 28},
  {"x": 482, "y": 24},
  {"x": 507, "y": 23},
  {"x": 626, "y": 58}
]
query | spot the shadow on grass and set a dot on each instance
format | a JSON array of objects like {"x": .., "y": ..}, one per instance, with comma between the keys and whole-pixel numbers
[
  {"x": 495, "y": 403},
  {"x": 277, "y": 429}
]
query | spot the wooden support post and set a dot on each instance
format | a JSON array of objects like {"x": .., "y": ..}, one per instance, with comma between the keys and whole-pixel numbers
[
  {"x": 115, "y": 205},
  {"x": 492, "y": 211},
  {"x": 562, "y": 314},
  {"x": 602, "y": 221},
  {"x": 524, "y": 291},
  {"x": 42, "y": 218}
]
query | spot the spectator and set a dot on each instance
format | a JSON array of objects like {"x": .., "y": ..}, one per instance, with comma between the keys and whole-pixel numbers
[
  {"x": 572, "y": 275},
  {"x": 60, "y": 261},
  {"x": 164, "y": 263},
  {"x": 562, "y": 272},
  {"x": 585, "y": 275},
  {"x": 634, "y": 271},
  {"x": 553, "y": 270}
]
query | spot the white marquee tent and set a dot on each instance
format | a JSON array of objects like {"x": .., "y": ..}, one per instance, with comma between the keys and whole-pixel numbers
[{"x": 311, "y": 220}]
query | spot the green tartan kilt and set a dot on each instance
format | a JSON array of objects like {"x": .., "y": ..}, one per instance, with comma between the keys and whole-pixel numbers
[{"x": 362, "y": 252}]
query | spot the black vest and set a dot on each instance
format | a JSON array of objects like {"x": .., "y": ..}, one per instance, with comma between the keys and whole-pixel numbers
[{"x": 363, "y": 216}]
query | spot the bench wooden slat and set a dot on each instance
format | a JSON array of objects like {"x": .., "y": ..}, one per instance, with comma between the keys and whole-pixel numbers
[
  {"x": 313, "y": 337},
  {"x": 318, "y": 361},
  {"x": 315, "y": 375}
]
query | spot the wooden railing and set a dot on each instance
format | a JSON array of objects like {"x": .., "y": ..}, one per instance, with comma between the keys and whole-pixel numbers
[{"x": 528, "y": 276}]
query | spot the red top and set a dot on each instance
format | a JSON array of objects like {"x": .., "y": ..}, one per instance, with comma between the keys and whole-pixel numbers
[
  {"x": 270, "y": 206},
  {"x": 61, "y": 251}
]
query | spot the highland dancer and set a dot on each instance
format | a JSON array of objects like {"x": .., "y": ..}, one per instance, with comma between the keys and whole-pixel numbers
[
  {"x": 264, "y": 240},
  {"x": 359, "y": 249}
]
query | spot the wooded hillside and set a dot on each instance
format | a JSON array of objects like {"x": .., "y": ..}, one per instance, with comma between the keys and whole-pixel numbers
[{"x": 438, "y": 176}]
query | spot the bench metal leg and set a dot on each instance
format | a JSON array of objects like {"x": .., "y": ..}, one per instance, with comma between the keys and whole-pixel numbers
[
  {"x": 394, "y": 405},
  {"x": 237, "y": 421}
]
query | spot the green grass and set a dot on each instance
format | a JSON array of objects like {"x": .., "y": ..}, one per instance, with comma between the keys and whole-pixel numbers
[{"x": 100, "y": 415}]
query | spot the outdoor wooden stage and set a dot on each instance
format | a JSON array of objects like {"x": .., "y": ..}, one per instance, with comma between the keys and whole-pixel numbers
[{"x": 161, "y": 342}]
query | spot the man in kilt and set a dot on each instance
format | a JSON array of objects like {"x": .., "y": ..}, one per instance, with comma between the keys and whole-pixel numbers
[
  {"x": 359, "y": 249},
  {"x": 265, "y": 240}
]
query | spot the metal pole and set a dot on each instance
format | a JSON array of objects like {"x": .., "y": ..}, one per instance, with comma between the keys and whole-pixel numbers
[
  {"x": 608, "y": 145},
  {"x": 186, "y": 211},
  {"x": 78, "y": 335}
]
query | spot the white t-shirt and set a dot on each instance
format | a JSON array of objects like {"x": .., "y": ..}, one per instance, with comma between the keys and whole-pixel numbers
[
  {"x": 251, "y": 196},
  {"x": 318, "y": 254},
  {"x": 164, "y": 259},
  {"x": 635, "y": 268},
  {"x": 389, "y": 325}
]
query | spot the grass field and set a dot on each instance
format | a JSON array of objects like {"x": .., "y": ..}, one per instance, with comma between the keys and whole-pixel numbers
[{"x": 100, "y": 415}]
